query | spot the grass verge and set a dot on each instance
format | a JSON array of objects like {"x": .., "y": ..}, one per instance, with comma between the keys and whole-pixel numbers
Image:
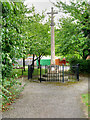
[
  {"x": 86, "y": 101},
  {"x": 18, "y": 72}
]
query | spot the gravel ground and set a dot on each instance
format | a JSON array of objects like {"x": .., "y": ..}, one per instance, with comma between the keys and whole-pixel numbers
[{"x": 40, "y": 100}]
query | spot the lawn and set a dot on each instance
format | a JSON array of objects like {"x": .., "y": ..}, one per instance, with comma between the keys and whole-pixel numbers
[
  {"x": 18, "y": 72},
  {"x": 36, "y": 72},
  {"x": 86, "y": 101}
]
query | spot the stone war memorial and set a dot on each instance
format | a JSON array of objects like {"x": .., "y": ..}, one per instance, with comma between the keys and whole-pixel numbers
[
  {"x": 55, "y": 72},
  {"x": 52, "y": 67},
  {"x": 52, "y": 36}
]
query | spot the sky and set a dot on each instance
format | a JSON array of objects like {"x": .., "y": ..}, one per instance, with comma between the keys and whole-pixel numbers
[{"x": 45, "y": 5}]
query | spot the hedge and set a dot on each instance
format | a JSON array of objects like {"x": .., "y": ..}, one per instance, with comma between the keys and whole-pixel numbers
[{"x": 84, "y": 65}]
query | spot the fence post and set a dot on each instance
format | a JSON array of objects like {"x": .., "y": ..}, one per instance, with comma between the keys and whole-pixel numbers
[
  {"x": 40, "y": 73},
  {"x": 30, "y": 72},
  {"x": 63, "y": 73},
  {"x": 77, "y": 72}
]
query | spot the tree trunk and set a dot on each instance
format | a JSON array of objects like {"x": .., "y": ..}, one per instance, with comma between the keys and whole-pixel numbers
[
  {"x": 33, "y": 62},
  {"x": 39, "y": 62},
  {"x": 24, "y": 63},
  {"x": 85, "y": 55}
]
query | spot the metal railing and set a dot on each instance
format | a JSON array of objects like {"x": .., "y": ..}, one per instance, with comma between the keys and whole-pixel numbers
[
  {"x": 55, "y": 73},
  {"x": 59, "y": 73}
]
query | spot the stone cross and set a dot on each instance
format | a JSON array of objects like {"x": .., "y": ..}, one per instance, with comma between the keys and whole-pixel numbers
[{"x": 52, "y": 36}]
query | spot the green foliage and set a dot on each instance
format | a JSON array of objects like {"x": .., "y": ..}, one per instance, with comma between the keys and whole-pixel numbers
[
  {"x": 85, "y": 99},
  {"x": 84, "y": 65},
  {"x": 10, "y": 91},
  {"x": 67, "y": 37},
  {"x": 37, "y": 35},
  {"x": 73, "y": 34},
  {"x": 13, "y": 15},
  {"x": 21, "y": 35}
]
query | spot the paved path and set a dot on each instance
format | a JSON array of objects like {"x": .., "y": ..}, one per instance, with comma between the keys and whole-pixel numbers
[{"x": 40, "y": 100}]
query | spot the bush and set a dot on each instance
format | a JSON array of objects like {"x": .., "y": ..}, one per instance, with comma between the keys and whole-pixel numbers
[{"x": 84, "y": 65}]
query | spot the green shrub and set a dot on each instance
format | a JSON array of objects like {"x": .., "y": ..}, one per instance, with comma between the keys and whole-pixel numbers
[{"x": 84, "y": 65}]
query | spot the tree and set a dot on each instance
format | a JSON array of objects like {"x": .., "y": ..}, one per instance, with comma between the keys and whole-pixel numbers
[
  {"x": 67, "y": 38},
  {"x": 20, "y": 35},
  {"x": 41, "y": 44},
  {"x": 13, "y": 14},
  {"x": 80, "y": 36},
  {"x": 37, "y": 35}
]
